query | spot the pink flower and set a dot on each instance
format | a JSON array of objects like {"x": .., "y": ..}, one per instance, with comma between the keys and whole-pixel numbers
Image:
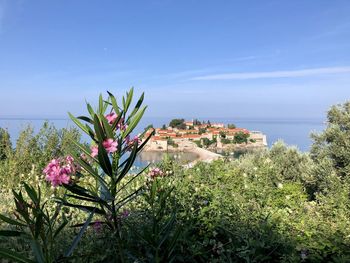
[
  {"x": 110, "y": 145},
  {"x": 94, "y": 151},
  {"x": 52, "y": 165},
  {"x": 155, "y": 172},
  {"x": 131, "y": 142},
  {"x": 121, "y": 125},
  {"x": 70, "y": 166},
  {"x": 58, "y": 175},
  {"x": 69, "y": 159},
  {"x": 136, "y": 139},
  {"x": 111, "y": 117}
]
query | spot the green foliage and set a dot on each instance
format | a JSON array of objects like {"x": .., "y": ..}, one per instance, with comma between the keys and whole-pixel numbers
[
  {"x": 198, "y": 143},
  {"x": 160, "y": 232},
  {"x": 149, "y": 127},
  {"x": 202, "y": 130},
  {"x": 171, "y": 142},
  {"x": 226, "y": 141},
  {"x": 5, "y": 144},
  {"x": 34, "y": 224},
  {"x": 33, "y": 152},
  {"x": 197, "y": 122},
  {"x": 222, "y": 134},
  {"x": 240, "y": 137},
  {"x": 231, "y": 126},
  {"x": 177, "y": 123},
  {"x": 334, "y": 142},
  {"x": 206, "y": 142}
]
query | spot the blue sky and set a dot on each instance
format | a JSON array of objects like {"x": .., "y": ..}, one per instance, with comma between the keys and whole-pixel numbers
[{"x": 246, "y": 59}]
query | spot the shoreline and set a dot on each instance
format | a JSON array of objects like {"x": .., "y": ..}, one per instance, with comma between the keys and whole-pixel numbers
[{"x": 203, "y": 154}]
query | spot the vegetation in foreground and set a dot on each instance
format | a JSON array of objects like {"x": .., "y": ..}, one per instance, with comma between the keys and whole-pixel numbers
[{"x": 276, "y": 205}]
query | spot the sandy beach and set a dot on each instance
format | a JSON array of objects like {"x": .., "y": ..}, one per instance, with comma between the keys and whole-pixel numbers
[{"x": 187, "y": 146}]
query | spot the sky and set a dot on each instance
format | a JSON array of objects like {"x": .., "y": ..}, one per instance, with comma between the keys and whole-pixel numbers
[{"x": 192, "y": 58}]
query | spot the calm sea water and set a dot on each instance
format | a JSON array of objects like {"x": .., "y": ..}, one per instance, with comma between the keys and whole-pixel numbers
[{"x": 293, "y": 131}]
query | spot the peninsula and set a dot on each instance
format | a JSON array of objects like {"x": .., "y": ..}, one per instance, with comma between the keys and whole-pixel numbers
[{"x": 203, "y": 138}]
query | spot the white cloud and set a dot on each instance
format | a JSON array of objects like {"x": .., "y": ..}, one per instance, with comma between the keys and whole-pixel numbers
[{"x": 274, "y": 74}]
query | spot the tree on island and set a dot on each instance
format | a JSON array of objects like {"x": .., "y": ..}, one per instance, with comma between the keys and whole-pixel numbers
[
  {"x": 197, "y": 122},
  {"x": 222, "y": 134},
  {"x": 177, "y": 123},
  {"x": 241, "y": 137},
  {"x": 149, "y": 127},
  {"x": 206, "y": 142},
  {"x": 231, "y": 126},
  {"x": 202, "y": 130}
]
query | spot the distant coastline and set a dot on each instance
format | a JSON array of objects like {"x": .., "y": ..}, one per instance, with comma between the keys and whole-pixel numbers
[{"x": 292, "y": 131}]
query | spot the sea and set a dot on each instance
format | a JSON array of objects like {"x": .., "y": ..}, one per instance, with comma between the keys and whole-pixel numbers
[{"x": 294, "y": 132}]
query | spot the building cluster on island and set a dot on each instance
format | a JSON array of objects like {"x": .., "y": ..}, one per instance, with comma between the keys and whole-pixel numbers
[{"x": 181, "y": 135}]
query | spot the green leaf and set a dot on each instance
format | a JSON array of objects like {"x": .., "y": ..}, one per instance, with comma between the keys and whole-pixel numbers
[
  {"x": 145, "y": 142},
  {"x": 128, "y": 198},
  {"x": 87, "y": 119},
  {"x": 131, "y": 160},
  {"x": 10, "y": 233},
  {"x": 90, "y": 170},
  {"x": 98, "y": 129},
  {"x": 114, "y": 103},
  {"x": 76, "y": 189},
  {"x": 134, "y": 121},
  {"x": 31, "y": 193},
  {"x": 91, "y": 133},
  {"x": 78, "y": 123},
  {"x": 10, "y": 221},
  {"x": 166, "y": 230},
  {"x": 107, "y": 127},
  {"x": 38, "y": 224},
  {"x": 100, "y": 104},
  {"x": 115, "y": 123},
  {"x": 137, "y": 106},
  {"x": 123, "y": 101},
  {"x": 105, "y": 106},
  {"x": 81, "y": 207},
  {"x": 15, "y": 256},
  {"x": 83, "y": 149},
  {"x": 79, "y": 236},
  {"x": 129, "y": 96},
  {"x": 90, "y": 109},
  {"x": 60, "y": 228},
  {"x": 105, "y": 163},
  {"x": 21, "y": 206},
  {"x": 83, "y": 198},
  {"x": 38, "y": 253},
  {"x": 132, "y": 179}
]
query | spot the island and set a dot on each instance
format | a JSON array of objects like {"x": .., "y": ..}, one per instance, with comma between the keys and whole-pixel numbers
[{"x": 208, "y": 140}]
